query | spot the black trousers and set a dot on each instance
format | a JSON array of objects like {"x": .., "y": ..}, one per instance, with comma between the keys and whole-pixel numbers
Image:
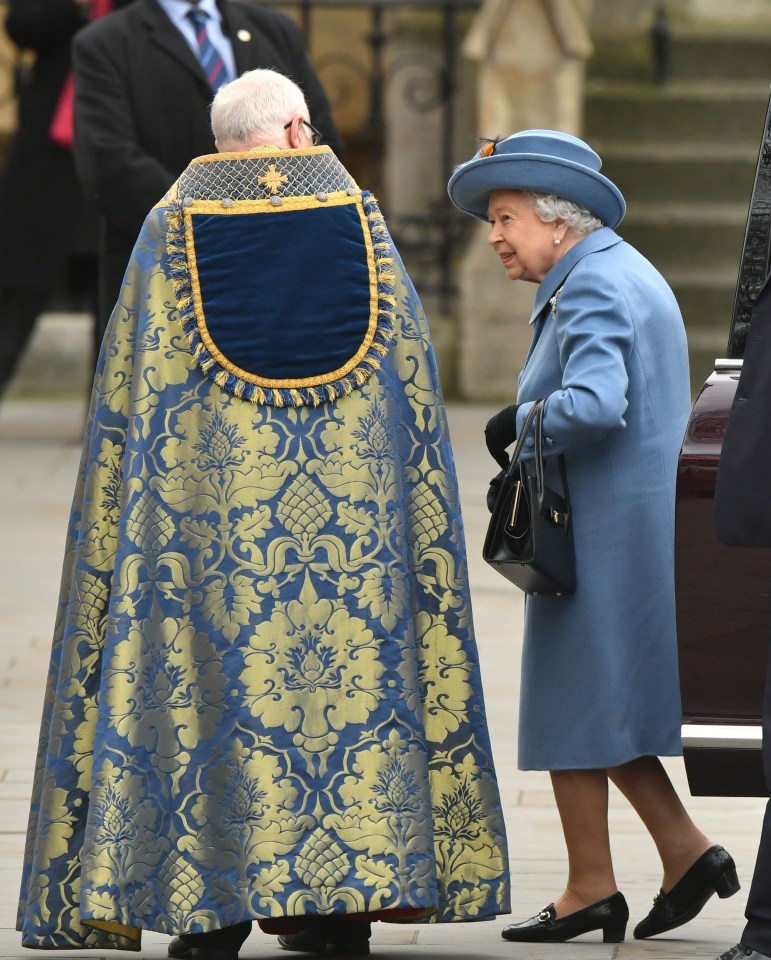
[
  {"x": 19, "y": 309},
  {"x": 757, "y": 933}
]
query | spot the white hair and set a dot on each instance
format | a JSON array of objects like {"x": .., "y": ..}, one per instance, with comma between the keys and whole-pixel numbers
[
  {"x": 253, "y": 108},
  {"x": 549, "y": 207}
]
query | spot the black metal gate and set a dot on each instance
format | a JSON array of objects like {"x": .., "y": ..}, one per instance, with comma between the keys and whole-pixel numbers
[
  {"x": 427, "y": 236},
  {"x": 428, "y": 233}
]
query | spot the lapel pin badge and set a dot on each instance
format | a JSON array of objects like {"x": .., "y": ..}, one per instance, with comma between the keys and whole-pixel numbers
[{"x": 244, "y": 35}]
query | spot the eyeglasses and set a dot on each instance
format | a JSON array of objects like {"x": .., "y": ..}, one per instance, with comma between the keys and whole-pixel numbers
[{"x": 316, "y": 137}]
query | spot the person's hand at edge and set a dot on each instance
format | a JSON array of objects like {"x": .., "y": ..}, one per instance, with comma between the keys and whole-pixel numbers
[
  {"x": 494, "y": 489},
  {"x": 501, "y": 430}
]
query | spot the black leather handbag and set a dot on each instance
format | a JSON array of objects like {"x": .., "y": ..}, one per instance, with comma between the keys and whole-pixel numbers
[{"x": 530, "y": 537}]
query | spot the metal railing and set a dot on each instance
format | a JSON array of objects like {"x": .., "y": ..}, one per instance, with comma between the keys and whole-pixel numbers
[
  {"x": 428, "y": 231},
  {"x": 429, "y": 236}
]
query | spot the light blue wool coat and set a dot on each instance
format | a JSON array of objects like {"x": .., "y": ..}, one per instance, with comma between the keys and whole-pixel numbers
[{"x": 599, "y": 669}]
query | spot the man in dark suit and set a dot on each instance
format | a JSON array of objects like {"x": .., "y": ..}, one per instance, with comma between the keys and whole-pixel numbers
[
  {"x": 142, "y": 104},
  {"x": 742, "y": 519},
  {"x": 44, "y": 224}
]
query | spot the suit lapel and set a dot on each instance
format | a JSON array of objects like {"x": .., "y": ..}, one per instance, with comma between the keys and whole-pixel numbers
[
  {"x": 162, "y": 32},
  {"x": 251, "y": 48}
]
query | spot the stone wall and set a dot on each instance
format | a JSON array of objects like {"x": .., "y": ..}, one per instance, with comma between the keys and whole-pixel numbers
[
  {"x": 622, "y": 16},
  {"x": 530, "y": 56}
]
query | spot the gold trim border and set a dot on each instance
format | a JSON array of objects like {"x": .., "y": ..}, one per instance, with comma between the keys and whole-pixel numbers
[{"x": 240, "y": 207}]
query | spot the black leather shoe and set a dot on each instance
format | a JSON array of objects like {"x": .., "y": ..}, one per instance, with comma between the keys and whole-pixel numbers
[
  {"x": 179, "y": 949},
  {"x": 305, "y": 941},
  {"x": 310, "y": 941},
  {"x": 740, "y": 952},
  {"x": 221, "y": 944},
  {"x": 713, "y": 872},
  {"x": 609, "y": 915}
]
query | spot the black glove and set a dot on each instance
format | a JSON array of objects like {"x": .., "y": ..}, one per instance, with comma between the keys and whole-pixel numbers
[
  {"x": 501, "y": 430},
  {"x": 494, "y": 489}
]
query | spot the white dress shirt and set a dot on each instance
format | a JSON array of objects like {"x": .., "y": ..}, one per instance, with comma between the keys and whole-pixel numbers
[{"x": 177, "y": 10}]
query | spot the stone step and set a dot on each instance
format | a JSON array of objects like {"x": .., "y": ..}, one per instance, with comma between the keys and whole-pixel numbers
[
  {"x": 706, "y": 300},
  {"x": 687, "y": 236},
  {"x": 694, "y": 54},
  {"x": 706, "y": 297},
  {"x": 684, "y": 153},
  {"x": 661, "y": 172},
  {"x": 712, "y": 56},
  {"x": 679, "y": 112}
]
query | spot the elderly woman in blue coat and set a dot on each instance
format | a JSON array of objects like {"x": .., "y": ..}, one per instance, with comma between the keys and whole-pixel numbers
[{"x": 600, "y": 696}]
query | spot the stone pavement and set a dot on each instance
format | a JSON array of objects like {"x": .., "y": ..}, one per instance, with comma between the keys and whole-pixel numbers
[{"x": 41, "y": 421}]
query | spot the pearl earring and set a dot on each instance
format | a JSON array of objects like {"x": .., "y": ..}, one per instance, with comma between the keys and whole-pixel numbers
[{"x": 557, "y": 241}]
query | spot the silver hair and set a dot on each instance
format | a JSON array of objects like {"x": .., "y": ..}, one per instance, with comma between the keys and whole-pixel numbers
[
  {"x": 253, "y": 108},
  {"x": 550, "y": 207}
]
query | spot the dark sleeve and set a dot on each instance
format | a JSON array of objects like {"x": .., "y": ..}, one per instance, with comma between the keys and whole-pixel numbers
[
  {"x": 122, "y": 179},
  {"x": 289, "y": 42},
  {"x": 43, "y": 24}
]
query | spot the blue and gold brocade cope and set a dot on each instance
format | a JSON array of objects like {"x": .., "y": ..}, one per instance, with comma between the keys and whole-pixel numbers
[{"x": 264, "y": 696}]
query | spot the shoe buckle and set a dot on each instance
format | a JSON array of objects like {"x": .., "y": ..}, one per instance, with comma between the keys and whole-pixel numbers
[{"x": 544, "y": 916}]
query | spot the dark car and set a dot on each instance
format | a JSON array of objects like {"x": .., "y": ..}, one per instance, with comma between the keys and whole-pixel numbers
[{"x": 723, "y": 592}]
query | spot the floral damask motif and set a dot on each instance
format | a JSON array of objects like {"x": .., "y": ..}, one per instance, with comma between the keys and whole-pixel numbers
[
  {"x": 220, "y": 457},
  {"x": 387, "y": 816},
  {"x": 246, "y": 811},
  {"x": 82, "y": 750},
  {"x": 151, "y": 529},
  {"x": 184, "y": 889},
  {"x": 442, "y": 685},
  {"x": 360, "y": 464},
  {"x": 86, "y": 623},
  {"x": 56, "y": 824},
  {"x": 323, "y": 865},
  {"x": 468, "y": 838},
  {"x": 375, "y": 436},
  {"x": 232, "y": 602},
  {"x": 103, "y": 490},
  {"x": 160, "y": 353},
  {"x": 386, "y": 593},
  {"x": 149, "y": 526},
  {"x": 173, "y": 696},
  {"x": 126, "y": 845},
  {"x": 303, "y": 510},
  {"x": 429, "y": 520},
  {"x": 470, "y": 901},
  {"x": 420, "y": 376},
  {"x": 313, "y": 669},
  {"x": 264, "y": 651}
]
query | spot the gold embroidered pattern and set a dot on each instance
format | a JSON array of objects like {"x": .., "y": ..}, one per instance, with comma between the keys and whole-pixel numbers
[
  {"x": 273, "y": 179},
  {"x": 300, "y": 174}
]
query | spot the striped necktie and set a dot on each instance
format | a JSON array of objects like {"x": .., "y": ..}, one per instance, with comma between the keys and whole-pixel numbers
[{"x": 212, "y": 63}]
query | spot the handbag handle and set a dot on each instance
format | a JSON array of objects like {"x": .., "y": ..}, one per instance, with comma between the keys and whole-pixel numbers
[
  {"x": 535, "y": 415},
  {"x": 521, "y": 436},
  {"x": 539, "y": 465}
]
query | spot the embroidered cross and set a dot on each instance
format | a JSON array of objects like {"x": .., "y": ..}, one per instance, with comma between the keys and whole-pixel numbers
[{"x": 273, "y": 179}]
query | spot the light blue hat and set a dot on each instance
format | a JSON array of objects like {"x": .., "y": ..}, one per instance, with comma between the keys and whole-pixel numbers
[{"x": 543, "y": 160}]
